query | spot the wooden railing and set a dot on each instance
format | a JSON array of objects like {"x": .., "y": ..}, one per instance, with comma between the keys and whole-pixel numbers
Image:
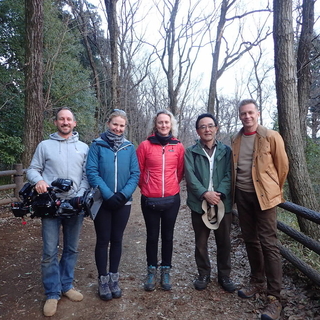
[
  {"x": 18, "y": 180},
  {"x": 308, "y": 242}
]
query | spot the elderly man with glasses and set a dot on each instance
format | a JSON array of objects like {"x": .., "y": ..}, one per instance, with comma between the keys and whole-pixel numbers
[{"x": 208, "y": 177}]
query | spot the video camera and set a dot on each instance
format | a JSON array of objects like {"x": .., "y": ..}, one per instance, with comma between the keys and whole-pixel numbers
[{"x": 49, "y": 204}]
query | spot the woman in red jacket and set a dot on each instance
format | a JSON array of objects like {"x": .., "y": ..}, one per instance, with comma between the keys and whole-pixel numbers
[{"x": 161, "y": 164}]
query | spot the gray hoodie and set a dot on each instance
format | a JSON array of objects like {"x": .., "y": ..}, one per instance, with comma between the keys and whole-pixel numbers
[{"x": 63, "y": 158}]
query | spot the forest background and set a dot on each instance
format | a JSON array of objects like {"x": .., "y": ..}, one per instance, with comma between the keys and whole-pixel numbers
[{"x": 142, "y": 56}]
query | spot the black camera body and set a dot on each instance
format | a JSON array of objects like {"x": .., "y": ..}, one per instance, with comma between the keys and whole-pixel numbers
[{"x": 49, "y": 204}]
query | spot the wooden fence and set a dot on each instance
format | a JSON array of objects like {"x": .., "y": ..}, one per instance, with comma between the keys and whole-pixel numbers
[{"x": 18, "y": 180}]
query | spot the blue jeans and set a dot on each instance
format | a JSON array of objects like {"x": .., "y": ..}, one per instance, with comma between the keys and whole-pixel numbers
[{"x": 57, "y": 276}]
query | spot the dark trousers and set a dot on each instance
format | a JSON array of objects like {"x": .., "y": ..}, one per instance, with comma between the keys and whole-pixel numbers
[
  {"x": 155, "y": 220},
  {"x": 110, "y": 226},
  {"x": 259, "y": 230},
  {"x": 222, "y": 237}
]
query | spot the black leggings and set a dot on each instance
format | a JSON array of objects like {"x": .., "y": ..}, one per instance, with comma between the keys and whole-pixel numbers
[
  {"x": 110, "y": 226},
  {"x": 153, "y": 219}
]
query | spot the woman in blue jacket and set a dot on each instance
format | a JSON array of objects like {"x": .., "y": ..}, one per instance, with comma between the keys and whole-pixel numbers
[{"x": 112, "y": 165}]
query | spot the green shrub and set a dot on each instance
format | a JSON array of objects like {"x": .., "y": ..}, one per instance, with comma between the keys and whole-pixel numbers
[{"x": 11, "y": 149}]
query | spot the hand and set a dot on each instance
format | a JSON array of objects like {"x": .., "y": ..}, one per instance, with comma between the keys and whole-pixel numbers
[
  {"x": 116, "y": 201},
  {"x": 212, "y": 197},
  {"x": 41, "y": 186}
]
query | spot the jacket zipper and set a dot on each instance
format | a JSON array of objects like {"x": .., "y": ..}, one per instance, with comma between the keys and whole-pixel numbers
[
  {"x": 163, "y": 166},
  {"x": 116, "y": 167},
  {"x": 115, "y": 172}
]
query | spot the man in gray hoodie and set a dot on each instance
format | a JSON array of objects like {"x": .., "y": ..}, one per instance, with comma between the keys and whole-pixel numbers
[{"x": 62, "y": 156}]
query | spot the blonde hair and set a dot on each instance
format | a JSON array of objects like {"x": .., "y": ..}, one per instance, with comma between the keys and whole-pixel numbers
[
  {"x": 118, "y": 113},
  {"x": 153, "y": 123}
]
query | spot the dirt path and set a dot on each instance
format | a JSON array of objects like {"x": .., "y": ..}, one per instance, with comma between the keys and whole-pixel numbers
[{"x": 21, "y": 292}]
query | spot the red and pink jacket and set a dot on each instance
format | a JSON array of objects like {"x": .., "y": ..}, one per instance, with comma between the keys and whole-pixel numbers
[{"x": 161, "y": 167}]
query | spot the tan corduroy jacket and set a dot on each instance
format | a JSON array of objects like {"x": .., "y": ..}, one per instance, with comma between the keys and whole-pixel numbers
[{"x": 270, "y": 166}]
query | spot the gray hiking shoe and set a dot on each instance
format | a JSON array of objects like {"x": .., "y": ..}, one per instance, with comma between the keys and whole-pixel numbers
[
  {"x": 114, "y": 285},
  {"x": 165, "y": 278},
  {"x": 150, "y": 283},
  {"x": 104, "y": 290}
]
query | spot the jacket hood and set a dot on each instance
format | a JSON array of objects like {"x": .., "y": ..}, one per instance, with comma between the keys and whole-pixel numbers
[{"x": 73, "y": 138}]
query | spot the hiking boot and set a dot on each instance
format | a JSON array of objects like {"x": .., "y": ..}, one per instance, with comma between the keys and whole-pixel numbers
[
  {"x": 114, "y": 285},
  {"x": 150, "y": 283},
  {"x": 250, "y": 291},
  {"x": 273, "y": 309},
  {"x": 50, "y": 307},
  {"x": 103, "y": 289},
  {"x": 226, "y": 284},
  {"x": 201, "y": 282},
  {"x": 73, "y": 295},
  {"x": 165, "y": 278}
]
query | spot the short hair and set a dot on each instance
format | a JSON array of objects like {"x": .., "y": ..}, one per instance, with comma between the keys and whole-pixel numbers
[
  {"x": 65, "y": 108},
  {"x": 153, "y": 123},
  {"x": 248, "y": 101},
  {"x": 206, "y": 115},
  {"x": 118, "y": 113}
]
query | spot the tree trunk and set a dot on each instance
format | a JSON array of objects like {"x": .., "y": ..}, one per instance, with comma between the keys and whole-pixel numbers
[
  {"x": 288, "y": 112},
  {"x": 34, "y": 104},
  {"x": 215, "y": 59},
  {"x": 171, "y": 42},
  {"x": 303, "y": 63},
  {"x": 111, "y": 8}
]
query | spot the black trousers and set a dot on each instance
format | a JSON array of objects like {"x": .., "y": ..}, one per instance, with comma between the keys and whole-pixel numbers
[
  {"x": 222, "y": 237},
  {"x": 156, "y": 220},
  {"x": 110, "y": 226}
]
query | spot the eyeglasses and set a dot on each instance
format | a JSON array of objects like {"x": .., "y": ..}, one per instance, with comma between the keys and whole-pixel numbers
[
  {"x": 119, "y": 111},
  {"x": 209, "y": 126}
]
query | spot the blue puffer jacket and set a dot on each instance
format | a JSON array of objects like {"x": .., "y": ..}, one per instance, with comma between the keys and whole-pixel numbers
[{"x": 113, "y": 171}]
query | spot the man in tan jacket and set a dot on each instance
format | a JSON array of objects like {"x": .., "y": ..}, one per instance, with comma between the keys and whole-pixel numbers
[{"x": 260, "y": 167}]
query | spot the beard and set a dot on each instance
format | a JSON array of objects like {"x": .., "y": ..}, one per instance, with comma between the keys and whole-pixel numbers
[{"x": 65, "y": 130}]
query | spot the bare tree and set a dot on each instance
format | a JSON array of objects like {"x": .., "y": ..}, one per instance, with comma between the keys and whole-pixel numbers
[
  {"x": 300, "y": 185},
  {"x": 233, "y": 52},
  {"x": 111, "y": 9},
  {"x": 134, "y": 65},
  {"x": 303, "y": 63},
  {"x": 257, "y": 88},
  {"x": 34, "y": 104},
  {"x": 179, "y": 46},
  {"x": 314, "y": 102}
]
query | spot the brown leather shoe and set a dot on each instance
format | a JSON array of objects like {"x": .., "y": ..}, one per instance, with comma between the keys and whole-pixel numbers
[
  {"x": 73, "y": 295},
  {"x": 273, "y": 309},
  {"x": 50, "y": 307},
  {"x": 250, "y": 291}
]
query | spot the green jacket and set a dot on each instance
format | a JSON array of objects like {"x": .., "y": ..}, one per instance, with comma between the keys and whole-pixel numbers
[{"x": 197, "y": 175}]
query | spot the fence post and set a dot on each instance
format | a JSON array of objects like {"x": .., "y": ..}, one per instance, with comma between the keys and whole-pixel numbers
[{"x": 18, "y": 179}]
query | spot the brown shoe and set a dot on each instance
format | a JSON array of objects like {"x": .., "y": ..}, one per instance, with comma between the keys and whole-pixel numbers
[
  {"x": 50, "y": 307},
  {"x": 273, "y": 309},
  {"x": 73, "y": 295},
  {"x": 250, "y": 291}
]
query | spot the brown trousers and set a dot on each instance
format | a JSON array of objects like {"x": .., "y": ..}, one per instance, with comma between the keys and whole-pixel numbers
[
  {"x": 222, "y": 237},
  {"x": 259, "y": 230}
]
